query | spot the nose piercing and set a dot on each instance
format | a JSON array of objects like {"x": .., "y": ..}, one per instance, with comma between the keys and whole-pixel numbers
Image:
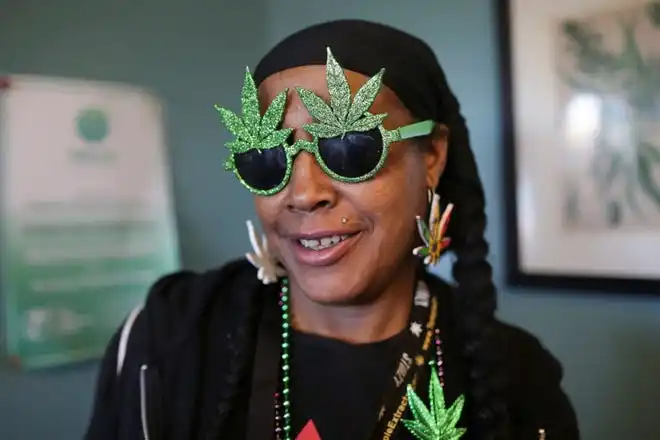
[{"x": 344, "y": 220}]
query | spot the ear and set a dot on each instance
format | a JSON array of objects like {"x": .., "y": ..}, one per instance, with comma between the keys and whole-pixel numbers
[{"x": 436, "y": 155}]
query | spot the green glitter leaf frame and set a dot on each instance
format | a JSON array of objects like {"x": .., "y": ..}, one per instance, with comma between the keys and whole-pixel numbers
[{"x": 341, "y": 115}]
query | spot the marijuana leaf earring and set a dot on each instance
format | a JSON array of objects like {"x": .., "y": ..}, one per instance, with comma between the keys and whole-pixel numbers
[
  {"x": 435, "y": 422},
  {"x": 433, "y": 234},
  {"x": 269, "y": 269}
]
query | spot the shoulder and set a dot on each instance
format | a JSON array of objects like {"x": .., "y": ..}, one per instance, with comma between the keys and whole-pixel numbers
[
  {"x": 522, "y": 347},
  {"x": 164, "y": 333},
  {"x": 183, "y": 293},
  {"x": 529, "y": 364},
  {"x": 532, "y": 375},
  {"x": 534, "y": 385},
  {"x": 177, "y": 304}
]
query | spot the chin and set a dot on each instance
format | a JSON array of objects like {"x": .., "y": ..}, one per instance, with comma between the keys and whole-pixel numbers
[{"x": 335, "y": 287}]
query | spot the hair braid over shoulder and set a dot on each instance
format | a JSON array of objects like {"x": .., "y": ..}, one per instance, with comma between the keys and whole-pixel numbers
[
  {"x": 242, "y": 354},
  {"x": 476, "y": 297}
]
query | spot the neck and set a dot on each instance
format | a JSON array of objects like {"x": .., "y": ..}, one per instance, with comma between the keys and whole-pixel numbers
[{"x": 375, "y": 320}]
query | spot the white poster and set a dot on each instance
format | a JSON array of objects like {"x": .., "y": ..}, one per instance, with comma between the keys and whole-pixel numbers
[{"x": 87, "y": 218}]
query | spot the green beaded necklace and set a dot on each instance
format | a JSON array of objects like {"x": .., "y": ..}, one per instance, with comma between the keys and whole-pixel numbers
[
  {"x": 283, "y": 422},
  {"x": 437, "y": 423}
]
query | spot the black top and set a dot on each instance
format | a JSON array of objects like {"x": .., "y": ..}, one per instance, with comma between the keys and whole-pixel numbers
[
  {"x": 191, "y": 372},
  {"x": 339, "y": 385}
]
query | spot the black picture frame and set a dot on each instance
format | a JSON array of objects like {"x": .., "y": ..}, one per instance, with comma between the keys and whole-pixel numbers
[{"x": 516, "y": 276}]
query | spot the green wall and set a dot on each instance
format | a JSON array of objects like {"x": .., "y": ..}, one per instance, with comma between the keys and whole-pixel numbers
[{"x": 193, "y": 57}]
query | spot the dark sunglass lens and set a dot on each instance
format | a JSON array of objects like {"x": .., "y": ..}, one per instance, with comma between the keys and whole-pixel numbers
[
  {"x": 262, "y": 169},
  {"x": 353, "y": 155}
]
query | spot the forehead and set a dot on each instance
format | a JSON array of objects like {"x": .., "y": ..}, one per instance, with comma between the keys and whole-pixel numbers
[{"x": 314, "y": 78}]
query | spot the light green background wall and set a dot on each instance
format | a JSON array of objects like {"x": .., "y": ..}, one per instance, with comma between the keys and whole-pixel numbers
[{"x": 193, "y": 57}]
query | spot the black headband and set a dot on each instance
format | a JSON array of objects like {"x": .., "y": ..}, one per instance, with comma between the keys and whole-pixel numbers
[{"x": 411, "y": 68}]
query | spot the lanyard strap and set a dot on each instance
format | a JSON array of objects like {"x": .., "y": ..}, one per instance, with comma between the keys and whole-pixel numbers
[{"x": 414, "y": 356}]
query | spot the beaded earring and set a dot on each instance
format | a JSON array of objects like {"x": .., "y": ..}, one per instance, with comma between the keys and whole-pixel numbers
[
  {"x": 433, "y": 233},
  {"x": 269, "y": 269}
]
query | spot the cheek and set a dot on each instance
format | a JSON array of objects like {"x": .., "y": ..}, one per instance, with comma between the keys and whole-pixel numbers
[
  {"x": 267, "y": 210},
  {"x": 393, "y": 199}
]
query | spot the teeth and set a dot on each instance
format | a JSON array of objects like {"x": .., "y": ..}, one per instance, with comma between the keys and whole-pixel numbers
[{"x": 323, "y": 243}]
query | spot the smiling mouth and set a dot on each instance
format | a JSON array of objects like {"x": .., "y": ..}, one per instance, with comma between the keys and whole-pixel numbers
[{"x": 324, "y": 242}]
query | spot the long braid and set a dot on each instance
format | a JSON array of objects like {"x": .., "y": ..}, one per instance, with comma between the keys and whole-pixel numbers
[
  {"x": 475, "y": 291},
  {"x": 241, "y": 349}
]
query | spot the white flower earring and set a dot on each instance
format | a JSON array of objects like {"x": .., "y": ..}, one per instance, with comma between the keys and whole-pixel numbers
[{"x": 269, "y": 269}]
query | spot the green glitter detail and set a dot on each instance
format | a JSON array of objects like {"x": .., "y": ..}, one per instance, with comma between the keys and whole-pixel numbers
[
  {"x": 341, "y": 115},
  {"x": 252, "y": 131},
  {"x": 344, "y": 114},
  {"x": 436, "y": 422}
]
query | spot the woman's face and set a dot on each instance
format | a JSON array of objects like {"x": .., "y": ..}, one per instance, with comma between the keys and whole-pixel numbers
[{"x": 378, "y": 215}]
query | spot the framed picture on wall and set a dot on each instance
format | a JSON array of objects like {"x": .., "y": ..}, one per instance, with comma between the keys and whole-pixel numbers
[{"x": 581, "y": 109}]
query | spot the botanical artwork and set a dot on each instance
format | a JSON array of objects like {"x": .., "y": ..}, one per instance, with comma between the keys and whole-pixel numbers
[{"x": 608, "y": 64}]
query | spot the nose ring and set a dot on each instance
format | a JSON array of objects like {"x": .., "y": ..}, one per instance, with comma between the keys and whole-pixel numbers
[{"x": 344, "y": 220}]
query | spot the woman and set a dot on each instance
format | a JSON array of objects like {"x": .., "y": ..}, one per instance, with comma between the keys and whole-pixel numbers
[{"x": 336, "y": 329}]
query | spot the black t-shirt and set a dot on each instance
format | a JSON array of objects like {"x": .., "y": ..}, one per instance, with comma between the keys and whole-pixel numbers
[{"x": 339, "y": 385}]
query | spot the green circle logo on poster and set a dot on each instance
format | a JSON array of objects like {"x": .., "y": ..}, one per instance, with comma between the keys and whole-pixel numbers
[{"x": 92, "y": 125}]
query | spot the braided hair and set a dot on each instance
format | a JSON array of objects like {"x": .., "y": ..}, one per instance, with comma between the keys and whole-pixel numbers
[
  {"x": 239, "y": 348},
  {"x": 475, "y": 292}
]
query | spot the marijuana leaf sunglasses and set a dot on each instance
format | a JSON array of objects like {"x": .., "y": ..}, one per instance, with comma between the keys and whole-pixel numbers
[{"x": 349, "y": 143}]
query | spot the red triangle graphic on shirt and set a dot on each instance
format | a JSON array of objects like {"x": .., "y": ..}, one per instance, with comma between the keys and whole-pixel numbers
[{"x": 309, "y": 432}]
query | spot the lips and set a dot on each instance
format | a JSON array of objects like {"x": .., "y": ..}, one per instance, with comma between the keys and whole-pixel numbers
[{"x": 323, "y": 248}]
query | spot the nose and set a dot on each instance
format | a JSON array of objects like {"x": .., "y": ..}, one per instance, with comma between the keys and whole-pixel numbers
[{"x": 309, "y": 189}]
